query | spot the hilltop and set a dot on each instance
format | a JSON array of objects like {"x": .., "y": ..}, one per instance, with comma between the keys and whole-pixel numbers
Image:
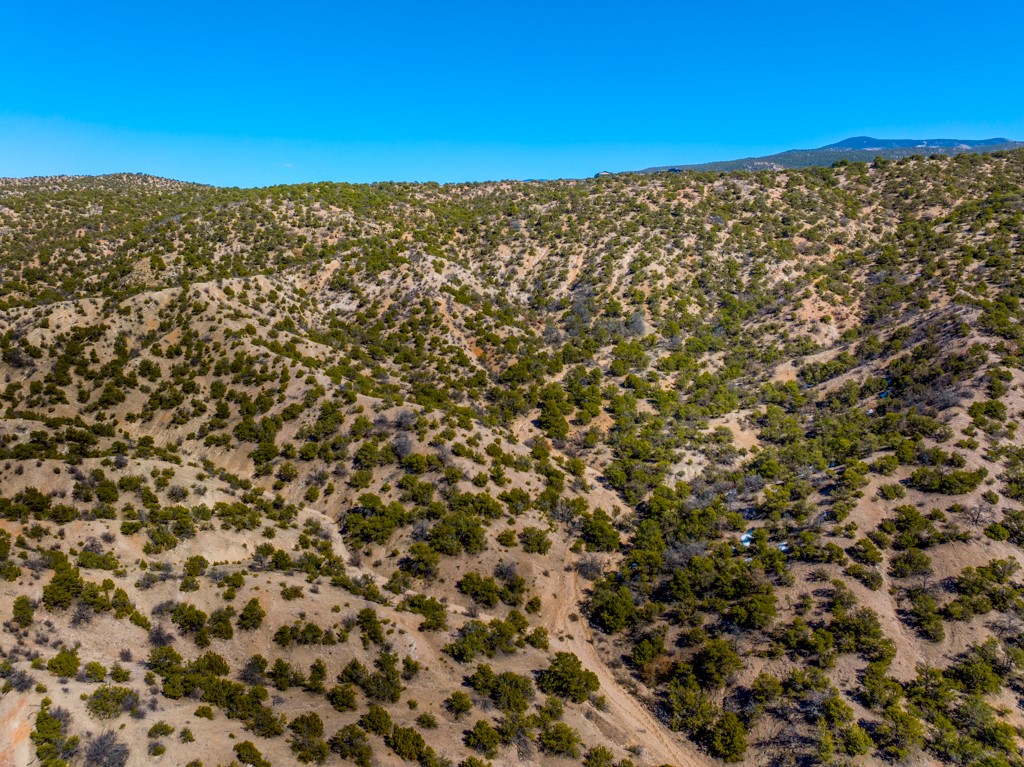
[{"x": 635, "y": 470}]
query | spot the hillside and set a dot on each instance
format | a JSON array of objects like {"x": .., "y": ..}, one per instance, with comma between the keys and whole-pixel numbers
[
  {"x": 636, "y": 470},
  {"x": 854, "y": 149}
]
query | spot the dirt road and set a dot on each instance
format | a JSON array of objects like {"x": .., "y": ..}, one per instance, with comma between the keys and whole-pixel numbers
[{"x": 661, "y": 746}]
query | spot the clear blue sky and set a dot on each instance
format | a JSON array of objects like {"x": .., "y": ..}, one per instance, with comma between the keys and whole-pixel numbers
[{"x": 250, "y": 94}]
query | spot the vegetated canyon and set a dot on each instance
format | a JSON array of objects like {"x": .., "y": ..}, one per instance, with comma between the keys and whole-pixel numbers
[{"x": 635, "y": 470}]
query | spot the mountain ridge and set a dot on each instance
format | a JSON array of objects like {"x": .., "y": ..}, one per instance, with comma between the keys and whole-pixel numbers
[
  {"x": 853, "y": 149},
  {"x": 867, "y": 142}
]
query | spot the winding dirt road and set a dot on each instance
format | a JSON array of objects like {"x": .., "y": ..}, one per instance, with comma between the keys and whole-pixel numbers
[
  {"x": 661, "y": 746},
  {"x": 625, "y": 711}
]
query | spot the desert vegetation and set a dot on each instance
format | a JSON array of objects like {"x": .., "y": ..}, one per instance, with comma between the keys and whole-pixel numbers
[{"x": 636, "y": 470}]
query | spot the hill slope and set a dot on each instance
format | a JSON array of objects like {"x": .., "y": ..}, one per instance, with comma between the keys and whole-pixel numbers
[{"x": 636, "y": 470}]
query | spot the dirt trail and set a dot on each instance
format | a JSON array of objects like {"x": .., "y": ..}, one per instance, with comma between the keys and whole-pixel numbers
[{"x": 660, "y": 745}]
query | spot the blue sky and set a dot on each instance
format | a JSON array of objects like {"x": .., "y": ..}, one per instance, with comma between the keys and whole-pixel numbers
[{"x": 254, "y": 94}]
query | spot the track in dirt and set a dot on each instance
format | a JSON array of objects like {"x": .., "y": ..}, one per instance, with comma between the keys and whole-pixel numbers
[{"x": 660, "y": 744}]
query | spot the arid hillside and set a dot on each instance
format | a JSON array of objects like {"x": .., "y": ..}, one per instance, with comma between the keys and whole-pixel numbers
[{"x": 624, "y": 472}]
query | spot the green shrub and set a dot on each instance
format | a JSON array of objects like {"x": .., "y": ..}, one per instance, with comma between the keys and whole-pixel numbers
[
  {"x": 868, "y": 576},
  {"x": 598, "y": 533},
  {"x": 483, "y": 738},
  {"x": 567, "y": 678},
  {"x": 534, "y": 540},
  {"x": 342, "y": 697},
  {"x": 307, "y": 741},
  {"x": 435, "y": 615},
  {"x": 510, "y": 692},
  {"x": 53, "y": 744},
  {"x": 483, "y": 590},
  {"x": 159, "y": 729},
  {"x": 63, "y": 589},
  {"x": 220, "y": 623},
  {"x": 427, "y": 721},
  {"x": 892, "y": 491},
  {"x": 110, "y": 701},
  {"x": 119, "y": 673},
  {"x": 95, "y": 672},
  {"x": 715, "y": 663},
  {"x": 957, "y": 482},
  {"x": 252, "y": 615},
  {"x": 866, "y": 552},
  {"x": 728, "y": 738},
  {"x": 65, "y": 663},
  {"x": 407, "y": 743},
  {"x": 599, "y": 756},
  {"x": 23, "y": 611},
  {"x": 351, "y": 743},
  {"x": 854, "y": 741},
  {"x": 560, "y": 739},
  {"x": 376, "y": 720},
  {"x": 611, "y": 607},
  {"x": 506, "y": 538},
  {"x": 458, "y": 704},
  {"x": 997, "y": 532},
  {"x": 247, "y": 753},
  {"x": 912, "y": 562},
  {"x": 899, "y": 733}
]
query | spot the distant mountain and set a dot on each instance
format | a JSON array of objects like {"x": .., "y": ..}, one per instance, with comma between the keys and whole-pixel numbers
[
  {"x": 854, "y": 149},
  {"x": 866, "y": 142}
]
